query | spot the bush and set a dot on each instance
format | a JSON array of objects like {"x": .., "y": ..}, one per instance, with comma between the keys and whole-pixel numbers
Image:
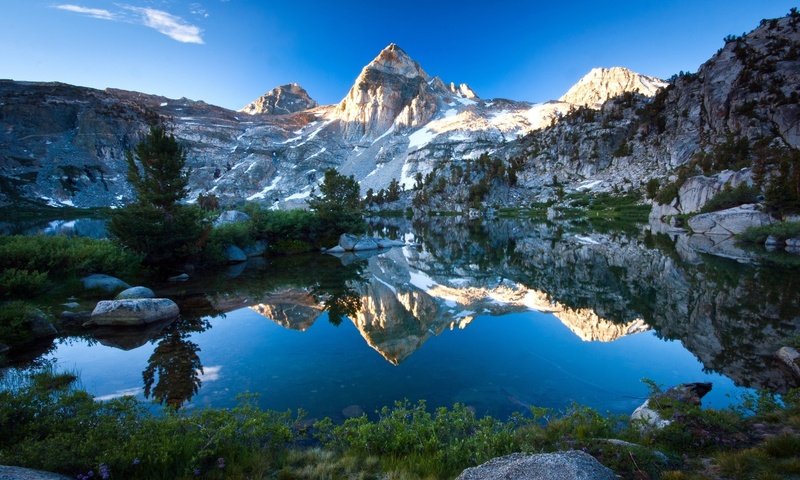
[
  {"x": 22, "y": 283},
  {"x": 15, "y": 326},
  {"x": 651, "y": 188},
  {"x": 731, "y": 197},
  {"x": 781, "y": 231},
  {"x": 63, "y": 257}
]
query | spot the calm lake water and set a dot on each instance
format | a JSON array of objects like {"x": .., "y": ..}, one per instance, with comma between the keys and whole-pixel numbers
[{"x": 498, "y": 316}]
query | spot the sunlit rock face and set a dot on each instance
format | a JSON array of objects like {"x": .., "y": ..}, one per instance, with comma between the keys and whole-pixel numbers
[
  {"x": 281, "y": 100},
  {"x": 602, "y": 84}
]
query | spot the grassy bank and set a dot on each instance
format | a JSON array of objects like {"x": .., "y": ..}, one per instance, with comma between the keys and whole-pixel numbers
[{"x": 51, "y": 424}]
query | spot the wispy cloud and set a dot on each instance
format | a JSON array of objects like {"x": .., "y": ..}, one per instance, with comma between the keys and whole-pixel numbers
[
  {"x": 92, "y": 12},
  {"x": 170, "y": 25},
  {"x": 163, "y": 22}
]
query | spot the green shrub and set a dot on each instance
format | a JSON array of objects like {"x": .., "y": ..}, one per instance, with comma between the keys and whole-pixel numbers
[
  {"x": 731, "y": 197},
  {"x": 651, "y": 189},
  {"x": 668, "y": 192},
  {"x": 781, "y": 231},
  {"x": 15, "y": 322},
  {"x": 63, "y": 257},
  {"x": 17, "y": 283}
]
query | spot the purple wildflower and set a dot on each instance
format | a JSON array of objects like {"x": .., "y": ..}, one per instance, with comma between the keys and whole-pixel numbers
[
  {"x": 136, "y": 461},
  {"x": 220, "y": 462},
  {"x": 105, "y": 471},
  {"x": 196, "y": 472}
]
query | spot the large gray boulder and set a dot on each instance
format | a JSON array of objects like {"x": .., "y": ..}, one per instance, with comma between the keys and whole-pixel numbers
[
  {"x": 569, "y": 465},
  {"x": 365, "y": 244},
  {"x": 698, "y": 190},
  {"x": 106, "y": 283},
  {"x": 132, "y": 312},
  {"x": 234, "y": 254},
  {"x": 19, "y": 473},
  {"x": 231, "y": 216},
  {"x": 135, "y": 292},
  {"x": 347, "y": 241},
  {"x": 731, "y": 221}
]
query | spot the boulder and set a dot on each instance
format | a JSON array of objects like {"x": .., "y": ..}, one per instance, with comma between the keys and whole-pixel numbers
[
  {"x": 386, "y": 243},
  {"x": 135, "y": 292},
  {"x": 791, "y": 358},
  {"x": 687, "y": 393},
  {"x": 256, "y": 249},
  {"x": 106, "y": 283},
  {"x": 347, "y": 241},
  {"x": 132, "y": 312},
  {"x": 773, "y": 241},
  {"x": 793, "y": 243},
  {"x": 336, "y": 249},
  {"x": 568, "y": 465},
  {"x": 19, "y": 473},
  {"x": 179, "y": 278},
  {"x": 731, "y": 221},
  {"x": 40, "y": 324},
  {"x": 231, "y": 216},
  {"x": 234, "y": 254},
  {"x": 365, "y": 244}
]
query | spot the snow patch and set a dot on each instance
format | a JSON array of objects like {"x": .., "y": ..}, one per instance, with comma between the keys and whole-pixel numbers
[
  {"x": 322, "y": 150},
  {"x": 586, "y": 240},
  {"x": 263, "y": 193},
  {"x": 420, "y": 138},
  {"x": 588, "y": 185},
  {"x": 163, "y": 104}
]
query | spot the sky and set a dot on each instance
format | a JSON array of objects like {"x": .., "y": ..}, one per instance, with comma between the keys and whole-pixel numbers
[{"x": 229, "y": 52}]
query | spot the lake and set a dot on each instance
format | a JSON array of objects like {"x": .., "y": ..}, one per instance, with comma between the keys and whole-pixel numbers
[{"x": 498, "y": 315}]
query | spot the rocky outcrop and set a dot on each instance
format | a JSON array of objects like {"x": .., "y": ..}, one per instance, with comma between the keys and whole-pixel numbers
[
  {"x": 698, "y": 190},
  {"x": 731, "y": 221},
  {"x": 289, "y": 98},
  {"x": 20, "y": 473},
  {"x": 602, "y": 84},
  {"x": 132, "y": 312},
  {"x": 568, "y": 465}
]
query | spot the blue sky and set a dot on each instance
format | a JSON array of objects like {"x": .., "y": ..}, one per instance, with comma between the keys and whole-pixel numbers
[{"x": 228, "y": 52}]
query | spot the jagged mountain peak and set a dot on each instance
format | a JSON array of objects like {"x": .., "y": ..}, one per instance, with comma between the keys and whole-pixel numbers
[
  {"x": 601, "y": 84},
  {"x": 283, "y": 99},
  {"x": 394, "y": 60},
  {"x": 463, "y": 90}
]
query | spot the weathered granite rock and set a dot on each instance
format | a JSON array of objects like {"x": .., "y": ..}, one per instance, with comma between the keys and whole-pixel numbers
[
  {"x": 20, "y": 473},
  {"x": 336, "y": 249},
  {"x": 347, "y": 241},
  {"x": 773, "y": 241},
  {"x": 231, "y": 216},
  {"x": 698, "y": 190},
  {"x": 365, "y": 244},
  {"x": 792, "y": 243},
  {"x": 689, "y": 393},
  {"x": 106, "y": 283},
  {"x": 256, "y": 249},
  {"x": 569, "y": 465},
  {"x": 132, "y": 312},
  {"x": 135, "y": 292},
  {"x": 731, "y": 221},
  {"x": 791, "y": 358},
  {"x": 234, "y": 254}
]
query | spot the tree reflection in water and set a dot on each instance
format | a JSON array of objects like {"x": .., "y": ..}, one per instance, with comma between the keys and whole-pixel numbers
[{"x": 173, "y": 371}]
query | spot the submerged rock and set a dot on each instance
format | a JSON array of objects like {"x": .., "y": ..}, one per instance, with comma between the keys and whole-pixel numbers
[
  {"x": 135, "y": 292},
  {"x": 132, "y": 312},
  {"x": 179, "y": 278},
  {"x": 106, "y": 283},
  {"x": 569, "y": 465}
]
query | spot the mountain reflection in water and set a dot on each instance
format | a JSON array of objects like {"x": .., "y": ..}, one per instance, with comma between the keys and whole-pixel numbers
[{"x": 600, "y": 286}]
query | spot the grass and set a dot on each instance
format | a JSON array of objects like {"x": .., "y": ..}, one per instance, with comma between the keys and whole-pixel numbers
[{"x": 781, "y": 231}]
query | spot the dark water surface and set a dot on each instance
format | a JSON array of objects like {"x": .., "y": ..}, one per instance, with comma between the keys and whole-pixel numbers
[{"x": 498, "y": 316}]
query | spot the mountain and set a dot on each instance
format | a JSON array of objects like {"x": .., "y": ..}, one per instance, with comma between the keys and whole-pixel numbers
[
  {"x": 281, "y": 100},
  {"x": 614, "y": 130},
  {"x": 602, "y": 84}
]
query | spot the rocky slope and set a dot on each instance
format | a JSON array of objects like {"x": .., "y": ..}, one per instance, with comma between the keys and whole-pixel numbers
[{"x": 281, "y": 100}]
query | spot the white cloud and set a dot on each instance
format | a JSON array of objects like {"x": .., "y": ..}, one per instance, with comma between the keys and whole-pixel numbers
[
  {"x": 170, "y": 25},
  {"x": 92, "y": 12},
  {"x": 163, "y": 22}
]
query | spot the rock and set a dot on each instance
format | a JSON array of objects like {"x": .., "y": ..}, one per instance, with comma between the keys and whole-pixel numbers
[
  {"x": 71, "y": 304},
  {"x": 289, "y": 98},
  {"x": 569, "y": 465},
  {"x": 40, "y": 324},
  {"x": 133, "y": 312},
  {"x": 351, "y": 411},
  {"x": 135, "y": 292},
  {"x": 256, "y": 249},
  {"x": 336, "y": 249},
  {"x": 231, "y": 216},
  {"x": 236, "y": 269},
  {"x": 179, "y": 278},
  {"x": 347, "y": 241},
  {"x": 365, "y": 244},
  {"x": 386, "y": 243},
  {"x": 602, "y": 84},
  {"x": 19, "y": 473},
  {"x": 234, "y": 254},
  {"x": 731, "y": 221},
  {"x": 773, "y": 241},
  {"x": 75, "y": 319},
  {"x": 689, "y": 393},
  {"x": 106, "y": 283},
  {"x": 792, "y": 243},
  {"x": 791, "y": 358},
  {"x": 698, "y": 190}
]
